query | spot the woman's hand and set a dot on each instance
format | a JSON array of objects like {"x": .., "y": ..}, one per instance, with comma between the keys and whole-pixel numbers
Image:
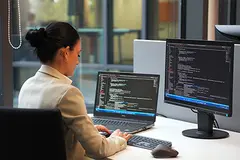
[
  {"x": 124, "y": 135},
  {"x": 102, "y": 128}
]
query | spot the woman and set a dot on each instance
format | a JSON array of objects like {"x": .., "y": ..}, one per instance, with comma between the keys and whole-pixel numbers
[{"x": 58, "y": 48}]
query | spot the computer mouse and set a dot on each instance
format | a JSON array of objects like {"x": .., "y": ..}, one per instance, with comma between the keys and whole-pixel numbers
[{"x": 163, "y": 151}]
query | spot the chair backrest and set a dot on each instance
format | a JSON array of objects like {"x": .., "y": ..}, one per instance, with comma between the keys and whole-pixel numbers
[{"x": 31, "y": 134}]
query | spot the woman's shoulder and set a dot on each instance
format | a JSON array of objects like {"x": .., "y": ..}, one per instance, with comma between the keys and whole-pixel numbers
[
  {"x": 72, "y": 90},
  {"x": 71, "y": 97},
  {"x": 67, "y": 90}
]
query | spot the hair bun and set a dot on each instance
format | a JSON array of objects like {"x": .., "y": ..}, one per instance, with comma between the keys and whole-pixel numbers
[{"x": 36, "y": 37}]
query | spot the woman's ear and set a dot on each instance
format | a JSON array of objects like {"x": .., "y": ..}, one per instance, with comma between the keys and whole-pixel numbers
[
  {"x": 67, "y": 49},
  {"x": 63, "y": 53}
]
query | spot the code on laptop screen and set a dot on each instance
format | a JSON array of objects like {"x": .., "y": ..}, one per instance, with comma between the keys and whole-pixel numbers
[{"x": 127, "y": 93}]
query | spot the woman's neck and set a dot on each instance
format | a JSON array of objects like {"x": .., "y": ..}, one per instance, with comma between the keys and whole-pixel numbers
[{"x": 57, "y": 67}]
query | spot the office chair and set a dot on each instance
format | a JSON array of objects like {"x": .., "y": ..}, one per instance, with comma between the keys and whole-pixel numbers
[{"x": 31, "y": 134}]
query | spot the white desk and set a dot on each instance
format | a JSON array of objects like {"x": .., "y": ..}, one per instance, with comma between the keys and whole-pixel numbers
[{"x": 188, "y": 148}]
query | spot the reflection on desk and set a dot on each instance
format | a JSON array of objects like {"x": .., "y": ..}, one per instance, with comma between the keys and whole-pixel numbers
[{"x": 188, "y": 148}]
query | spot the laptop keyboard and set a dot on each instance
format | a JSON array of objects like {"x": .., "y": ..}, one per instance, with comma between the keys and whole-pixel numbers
[
  {"x": 117, "y": 124},
  {"x": 146, "y": 142}
]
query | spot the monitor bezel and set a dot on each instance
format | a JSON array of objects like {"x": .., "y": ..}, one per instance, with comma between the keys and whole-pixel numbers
[
  {"x": 214, "y": 110},
  {"x": 134, "y": 117}
]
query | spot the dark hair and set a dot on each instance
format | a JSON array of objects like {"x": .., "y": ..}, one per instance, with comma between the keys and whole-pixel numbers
[{"x": 48, "y": 41}]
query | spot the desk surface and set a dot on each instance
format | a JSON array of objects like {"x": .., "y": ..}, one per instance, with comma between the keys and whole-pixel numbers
[{"x": 188, "y": 148}]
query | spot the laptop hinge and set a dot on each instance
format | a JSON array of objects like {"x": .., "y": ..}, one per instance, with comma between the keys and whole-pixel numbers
[{"x": 122, "y": 119}]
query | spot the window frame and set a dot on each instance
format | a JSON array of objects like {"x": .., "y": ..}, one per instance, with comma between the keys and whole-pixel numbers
[{"x": 6, "y": 68}]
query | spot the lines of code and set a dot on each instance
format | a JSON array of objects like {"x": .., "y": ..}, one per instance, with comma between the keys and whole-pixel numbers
[
  {"x": 197, "y": 71},
  {"x": 127, "y": 92}
]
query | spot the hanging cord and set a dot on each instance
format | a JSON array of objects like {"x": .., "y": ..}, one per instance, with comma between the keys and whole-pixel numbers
[{"x": 19, "y": 25}]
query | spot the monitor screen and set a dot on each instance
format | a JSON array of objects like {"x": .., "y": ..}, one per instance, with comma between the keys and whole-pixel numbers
[
  {"x": 199, "y": 75},
  {"x": 132, "y": 95}
]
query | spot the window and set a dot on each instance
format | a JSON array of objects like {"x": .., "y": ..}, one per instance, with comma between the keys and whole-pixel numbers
[
  {"x": 162, "y": 19},
  {"x": 84, "y": 15},
  {"x": 167, "y": 18},
  {"x": 127, "y": 22}
]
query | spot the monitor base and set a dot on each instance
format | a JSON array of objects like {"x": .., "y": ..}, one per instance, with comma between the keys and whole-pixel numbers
[{"x": 195, "y": 133}]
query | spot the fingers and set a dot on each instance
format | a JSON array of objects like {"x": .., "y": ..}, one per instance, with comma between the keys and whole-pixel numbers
[
  {"x": 128, "y": 136},
  {"x": 124, "y": 135},
  {"x": 105, "y": 129},
  {"x": 117, "y": 132},
  {"x": 102, "y": 128}
]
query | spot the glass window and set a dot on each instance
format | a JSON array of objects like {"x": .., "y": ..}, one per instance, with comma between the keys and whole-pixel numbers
[
  {"x": 84, "y": 15},
  {"x": 168, "y": 18},
  {"x": 238, "y": 13},
  {"x": 228, "y": 12},
  {"x": 127, "y": 23},
  {"x": 162, "y": 19}
]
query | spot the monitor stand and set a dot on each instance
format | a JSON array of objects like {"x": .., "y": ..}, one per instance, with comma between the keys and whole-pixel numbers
[{"x": 205, "y": 128}]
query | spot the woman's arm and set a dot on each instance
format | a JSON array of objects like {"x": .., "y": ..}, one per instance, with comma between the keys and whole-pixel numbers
[{"x": 75, "y": 116}]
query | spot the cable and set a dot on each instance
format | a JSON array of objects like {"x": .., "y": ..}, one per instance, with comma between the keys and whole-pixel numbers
[
  {"x": 194, "y": 111},
  {"x": 215, "y": 123},
  {"x": 19, "y": 26},
  {"x": 158, "y": 114}
]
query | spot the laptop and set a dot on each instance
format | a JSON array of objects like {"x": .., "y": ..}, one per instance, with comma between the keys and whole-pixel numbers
[{"x": 126, "y": 101}]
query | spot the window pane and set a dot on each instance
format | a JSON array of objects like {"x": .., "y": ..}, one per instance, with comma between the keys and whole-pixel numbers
[
  {"x": 167, "y": 18},
  {"x": 84, "y": 15},
  {"x": 127, "y": 23},
  {"x": 238, "y": 13},
  {"x": 228, "y": 12}
]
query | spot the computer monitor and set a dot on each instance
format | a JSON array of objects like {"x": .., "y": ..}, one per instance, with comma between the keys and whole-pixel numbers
[
  {"x": 199, "y": 76},
  {"x": 227, "y": 33}
]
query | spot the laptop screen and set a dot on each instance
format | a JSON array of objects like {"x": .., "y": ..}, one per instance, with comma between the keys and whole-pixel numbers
[{"x": 128, "y": 95}]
